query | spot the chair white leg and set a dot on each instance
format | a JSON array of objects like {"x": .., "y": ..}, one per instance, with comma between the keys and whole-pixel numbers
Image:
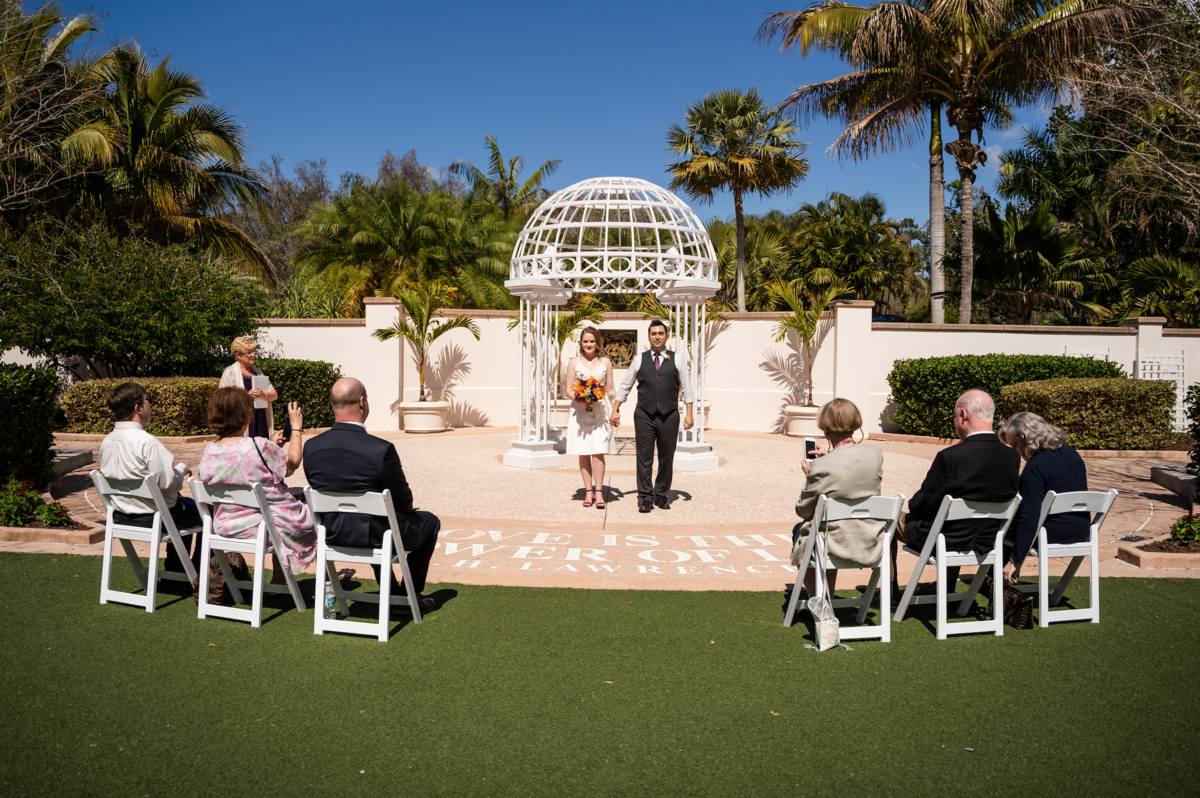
[
  {"x": 885, "y": 598},
  {"x": 323, "y": 567},
  {"x": 805, "y": 557},
  {"x": 941, "y": 588},
  {"x": 998, "y": 594},
  {"x": 260, "y": 565},
  {"x": 152, "y": 570},
  {"x": 1043, "y": 587},
  {"x": 385, "y": 589},
  {"x": 205, "y": 554},
  {"x": 1094, "y": 579},
  {"x": 106, "y": 565}
]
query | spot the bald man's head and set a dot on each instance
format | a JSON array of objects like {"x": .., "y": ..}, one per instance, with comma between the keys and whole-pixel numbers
[
  {"x": 349, "y": 399},
  {"x": 974, "y": 412}
]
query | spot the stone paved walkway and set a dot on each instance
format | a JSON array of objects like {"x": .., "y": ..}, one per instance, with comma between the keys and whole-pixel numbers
[{"x": 726, "y": 530}]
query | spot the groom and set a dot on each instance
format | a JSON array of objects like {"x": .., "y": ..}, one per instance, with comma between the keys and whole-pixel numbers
[{"x": 656, "y": 419}]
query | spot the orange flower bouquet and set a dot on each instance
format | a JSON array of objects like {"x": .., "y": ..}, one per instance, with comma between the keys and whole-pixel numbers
[{"x": 588, "y": 391}]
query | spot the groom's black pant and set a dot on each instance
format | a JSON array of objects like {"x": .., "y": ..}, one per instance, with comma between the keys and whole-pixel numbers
[{"x": 651, "y": 429}]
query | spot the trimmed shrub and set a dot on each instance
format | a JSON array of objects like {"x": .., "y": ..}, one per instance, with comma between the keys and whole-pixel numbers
[
  {"x": 1099, "y": 413},
  {"x": 305, "y": 381},
  {"x": 1186, "y": 529},
  {"x": 180, "y": 405},
  {"x": 925, "y": 389},
  {"x": 1192, "y": 402},
  {"x": 21, "y": 504},
  {"x": 27, "y": 422}
]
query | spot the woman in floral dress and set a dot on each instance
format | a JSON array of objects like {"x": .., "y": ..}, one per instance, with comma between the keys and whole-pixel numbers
[{"x": 236, "y": 459}]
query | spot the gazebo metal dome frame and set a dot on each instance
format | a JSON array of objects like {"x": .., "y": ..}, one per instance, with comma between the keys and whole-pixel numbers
[{"x": 608, "y": 235}]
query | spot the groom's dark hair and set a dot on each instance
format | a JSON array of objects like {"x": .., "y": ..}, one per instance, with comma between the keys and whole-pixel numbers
[{"x": 657, "y": 323}]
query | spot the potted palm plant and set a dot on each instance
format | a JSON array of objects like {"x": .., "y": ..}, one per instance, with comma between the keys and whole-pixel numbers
[
  {"x": 806, "y": 303},
  {"x": 420, "y": 329}
]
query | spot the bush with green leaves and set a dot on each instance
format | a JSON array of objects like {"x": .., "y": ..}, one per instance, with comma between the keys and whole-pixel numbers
[
  {"x": 1193, "y": 413},
  {"x": 1106, "y": 413},
  {"x": 924, "y": 390},
  {"x": 27, "y": 397},
  {"x": 180, "y": 405},
  {"x": 21, "y": 504},
  {"x": 305, "y": 381},
  {"x": 1186, "y": 529},
  {"x": 85, "y": 300}
]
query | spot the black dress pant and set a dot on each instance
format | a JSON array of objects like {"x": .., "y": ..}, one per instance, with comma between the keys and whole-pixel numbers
[
  {"x": 185, "y": 515},
  {"x": 651, "y": 429},
  {"x": 419, "y": 534}
]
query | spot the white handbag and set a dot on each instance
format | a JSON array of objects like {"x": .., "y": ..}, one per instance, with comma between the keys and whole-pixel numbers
[{"x": 821, "y": 608}]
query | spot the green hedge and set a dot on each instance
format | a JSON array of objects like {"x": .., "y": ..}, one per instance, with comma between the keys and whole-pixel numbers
[
  {"x": 180, "y": 405},
  {"x": 27, "y": 422},
  {"x": 925, "y": 389},
  {"x": 1193, "y": 414},
  {"x": 1099, "y": 413},
  {"x": 305, "y": 381}
]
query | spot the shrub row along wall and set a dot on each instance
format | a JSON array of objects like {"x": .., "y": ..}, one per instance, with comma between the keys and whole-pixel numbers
[
  {"x": 181, "y": 401},
  {"x": 925, "y": 389},
  {"x": 180, "y": 405},
  {"x": 1099, "y": 413},
  {"x": 1193, "y": 412},
  {"x": 27, "y": 422}
]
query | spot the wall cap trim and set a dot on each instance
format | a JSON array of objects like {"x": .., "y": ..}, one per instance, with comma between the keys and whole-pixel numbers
[
  {"x": 1036, "y": 329},
  {"x": 313, "y": 322}
]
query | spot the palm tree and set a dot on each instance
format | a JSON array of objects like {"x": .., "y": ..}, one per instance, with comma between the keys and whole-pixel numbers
[
  {"x": 732, "y": 141},
  {"x": 501, "y": 185},
  {"x": 764, "y": 254},
  {"x": 1029, "y": 262},
  {"x": 976, "y": 56},
  {"x": 49, "y": 132},
  {"x": 180, "y": 161},
  {"x": 1160, "y": 286},
  {"x": 806, "y": 303},
  {"x": 421, "y": 303}
]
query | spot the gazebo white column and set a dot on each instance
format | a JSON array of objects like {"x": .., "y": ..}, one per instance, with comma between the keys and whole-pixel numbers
[
  {"x": 537, "y": 436},
  {"x": 686, "y": 299}
]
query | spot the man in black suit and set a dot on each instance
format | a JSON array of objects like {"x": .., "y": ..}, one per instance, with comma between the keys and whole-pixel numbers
[
  {"x": 348, "y": 460},
  {"x": 656, "y": 418},
  {"x": 979, "y": 468}
]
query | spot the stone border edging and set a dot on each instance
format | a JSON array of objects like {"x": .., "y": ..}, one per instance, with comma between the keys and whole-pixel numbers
[
  {"x": 1157, "y": 559},
  {"x": 1101, "y": 454},
  {"x": 74, "y": 537}
]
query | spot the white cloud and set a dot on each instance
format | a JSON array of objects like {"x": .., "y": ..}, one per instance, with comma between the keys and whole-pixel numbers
[
  {"x": 993, "y": 153},
  {"x": 916, "y": 167}
]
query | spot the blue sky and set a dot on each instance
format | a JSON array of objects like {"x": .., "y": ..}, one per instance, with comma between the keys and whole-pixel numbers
[{"x": 596, "y": 87}]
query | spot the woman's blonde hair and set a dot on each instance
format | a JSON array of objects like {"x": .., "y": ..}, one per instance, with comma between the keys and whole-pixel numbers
[
  {"x": 242, "y": 344},
  {"x": 1037, "y": 433},
  {"x": 841, "y": 416}
]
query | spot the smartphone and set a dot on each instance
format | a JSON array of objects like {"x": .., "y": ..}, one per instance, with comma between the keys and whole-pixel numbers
[
  {"x": 287, "y": 428},
  {"x": 810, "y": 448}
]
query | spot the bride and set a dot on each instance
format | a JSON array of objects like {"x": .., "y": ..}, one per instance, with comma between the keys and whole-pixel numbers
[{"x": 589, "y": 433}]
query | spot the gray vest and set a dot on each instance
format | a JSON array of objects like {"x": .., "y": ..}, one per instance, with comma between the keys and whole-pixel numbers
[{"x": 658, "y": 389}]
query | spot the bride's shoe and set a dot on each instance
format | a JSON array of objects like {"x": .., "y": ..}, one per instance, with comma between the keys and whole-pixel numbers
[
  {"x": 586, "y": 502},
  {"x": 600, "y": 499}
]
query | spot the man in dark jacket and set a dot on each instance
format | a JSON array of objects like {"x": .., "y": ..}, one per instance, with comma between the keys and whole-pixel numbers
[
  {"x": 348, "y": 460},
  {"x": 978, "y": 468}
]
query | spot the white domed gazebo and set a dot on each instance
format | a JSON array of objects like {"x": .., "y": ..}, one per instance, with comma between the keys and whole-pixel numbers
[{"x": 608, "y": 235}]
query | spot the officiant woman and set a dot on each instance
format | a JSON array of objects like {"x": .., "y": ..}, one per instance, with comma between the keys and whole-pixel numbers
[{"x": 239, "y": 375}]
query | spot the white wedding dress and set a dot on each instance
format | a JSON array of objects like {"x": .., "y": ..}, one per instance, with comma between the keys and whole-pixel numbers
[{"x": 590, "y": 433}]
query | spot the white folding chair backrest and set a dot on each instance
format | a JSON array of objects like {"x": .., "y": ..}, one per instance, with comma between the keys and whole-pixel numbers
[
  {"x": 392, "y": 550},
  {"x": 871, "y": 508},
  {"x": 163, "y": 527},
  {"x": 1074, "y": 502},
  {"x": 266, "y": 540},
  {"x": 962, "y": 510}
]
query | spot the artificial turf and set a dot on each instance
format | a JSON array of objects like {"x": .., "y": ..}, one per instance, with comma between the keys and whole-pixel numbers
[{"x": 551, "y": 692}]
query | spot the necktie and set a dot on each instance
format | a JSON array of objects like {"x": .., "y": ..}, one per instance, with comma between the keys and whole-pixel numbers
[{"x": 657, "y": 362}]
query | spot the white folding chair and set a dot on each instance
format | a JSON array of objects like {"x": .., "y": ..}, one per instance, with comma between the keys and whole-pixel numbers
[
  {"x": 877, "y": 508},
  {"x": 162, "y": 527},
  {"x": 1076, "y": 502},
  {"x": 264, "y": 542},
  {"x": 392, "y": 550},
  {"x": 961, "y": 510}
]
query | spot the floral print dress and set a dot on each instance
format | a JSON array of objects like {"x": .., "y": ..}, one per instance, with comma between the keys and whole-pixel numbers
[{"x": 237, "y": 463}]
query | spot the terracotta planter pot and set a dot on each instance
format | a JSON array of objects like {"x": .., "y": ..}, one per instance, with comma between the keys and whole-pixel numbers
[{"x": 424, "y": 417}]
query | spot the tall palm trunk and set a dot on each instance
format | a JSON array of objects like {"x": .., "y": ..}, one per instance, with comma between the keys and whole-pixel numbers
[
  {"x": 741, "y": 250},
  {"x": 965, "y": 114},
  {"x": 937, "y": 218},
  {"x": 967, "y": 237}
]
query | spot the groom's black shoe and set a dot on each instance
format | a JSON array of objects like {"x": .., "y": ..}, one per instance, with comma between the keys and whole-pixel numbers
[
  {"x": 644, "y": 506},
  {"x": 662, "y": 504}
]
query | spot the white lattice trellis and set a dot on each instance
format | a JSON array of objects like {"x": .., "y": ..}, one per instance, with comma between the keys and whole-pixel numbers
[
  {"x": 608, "y": 235},
  {"x": 1168, "y": 368}
]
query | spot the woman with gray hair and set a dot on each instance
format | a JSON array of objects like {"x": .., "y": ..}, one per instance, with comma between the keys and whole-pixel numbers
[
  {"x": 1050, "y": 464},
  {"x": 241, "y": 374}
]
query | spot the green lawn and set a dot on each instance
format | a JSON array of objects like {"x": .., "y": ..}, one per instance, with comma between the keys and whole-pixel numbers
[{"x": 506, "y": 691}]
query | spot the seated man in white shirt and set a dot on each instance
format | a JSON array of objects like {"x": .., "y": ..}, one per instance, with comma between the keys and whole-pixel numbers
[{"x": 129, "y": 452}]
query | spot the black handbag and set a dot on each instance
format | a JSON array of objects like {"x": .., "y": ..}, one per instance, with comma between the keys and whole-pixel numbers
[{"x": 1018, "y": 607}]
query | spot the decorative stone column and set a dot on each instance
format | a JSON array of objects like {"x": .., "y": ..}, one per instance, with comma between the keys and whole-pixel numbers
[
  {"x": 852, "y": 356},
  {"x": 539, "y": 441}
]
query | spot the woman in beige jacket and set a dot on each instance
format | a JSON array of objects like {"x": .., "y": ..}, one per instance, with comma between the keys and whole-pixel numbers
[
  {"x": 238, "y": 376},
  {"x": 846, "y": 470}
]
